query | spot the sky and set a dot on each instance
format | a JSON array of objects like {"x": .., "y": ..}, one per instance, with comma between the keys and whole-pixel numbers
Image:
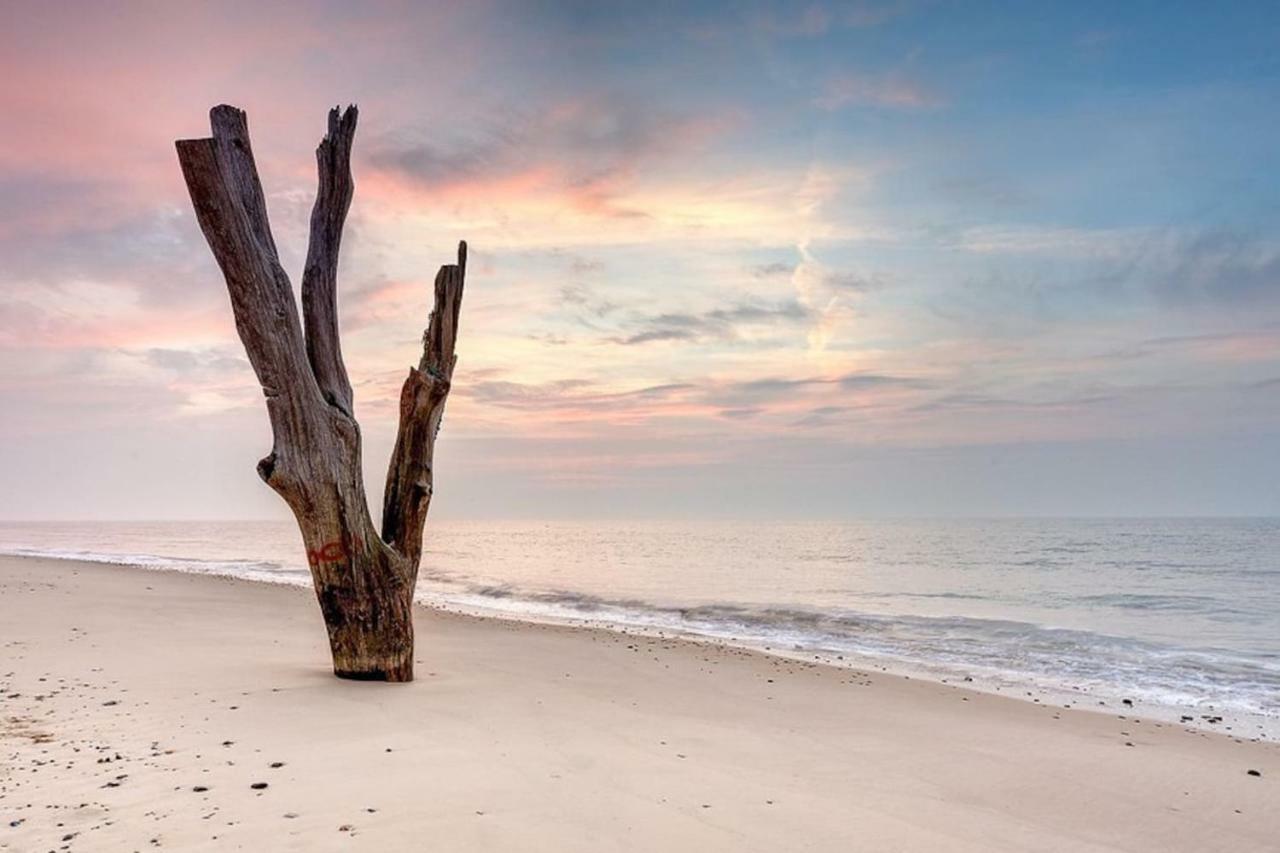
[{"x": 741, "y": 260}]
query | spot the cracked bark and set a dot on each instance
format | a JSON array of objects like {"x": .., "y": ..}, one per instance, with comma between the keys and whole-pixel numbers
[{"x": 364, "y": 580}]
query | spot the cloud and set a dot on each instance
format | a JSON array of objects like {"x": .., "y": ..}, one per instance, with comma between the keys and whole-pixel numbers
[
  {"x": 756, "y": 392},
  {"x": 867, "y": 14},
  {"x": 889, "y": 91},
  {"x": 1001, "y": 191},
  {"x": 821, "y": 416},
  {"x": 818, "y": 19},
  {"x": 970, "y": 401},
  {"x": 1246, "y": 345},
  {"x": 773, "y": 269},
  {"x": 566, "y": 395},
  {"x": 853, "y": 282},
  {"x": 789, "y": 20},
  {"x": 1223, "y": 266},
  {"x": 811, "y": 20},
  {"x": 719, "y": 323},
  {"x": 60, "y": 389},
  {"x": 57, "y": 230},
  {"x": 587, "y": 304},
  {"x": 741, "y": 414},
  {"x": 584, "y": 297},
  {"x": 381, "y": 300},
  {"x": 1188, "y": 265},
  {"x": 585, "y": 151},
  {"x": 671, "y": 332},
  {"x": 1113, "y": 243},
  {"x": 583, "y": 266},
  {"x": 706, "y": 399},
  {"x": 207, "y": 361}
]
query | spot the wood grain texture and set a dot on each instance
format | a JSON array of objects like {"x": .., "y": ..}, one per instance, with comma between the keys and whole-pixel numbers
[
  {"x": 410, "y": 476},
  {"x": 320, "y": 275},
  {"x": 364, "y": 581}
]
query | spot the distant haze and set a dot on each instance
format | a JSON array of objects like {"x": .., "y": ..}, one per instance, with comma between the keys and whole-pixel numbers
[{"x": 739, "y": 260}]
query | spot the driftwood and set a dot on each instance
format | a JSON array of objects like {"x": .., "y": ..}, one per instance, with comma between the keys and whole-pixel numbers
[{"x": 364, "y": 578}]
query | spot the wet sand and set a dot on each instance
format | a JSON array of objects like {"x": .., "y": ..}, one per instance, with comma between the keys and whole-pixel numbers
[{"x": 146, "y": 710}]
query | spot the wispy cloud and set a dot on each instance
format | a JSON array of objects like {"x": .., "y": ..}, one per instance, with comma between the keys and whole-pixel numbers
[
  {"x": 891, "y": 91},
  {"x": 771, "y": 402},
  {"x": 718, "y": 323},
  {"x": 584, "y": 151},
  {"x": 792, "y": 20}
]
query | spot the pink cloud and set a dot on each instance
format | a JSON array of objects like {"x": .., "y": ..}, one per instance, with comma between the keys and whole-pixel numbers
[{"x": 578, "y": 154}]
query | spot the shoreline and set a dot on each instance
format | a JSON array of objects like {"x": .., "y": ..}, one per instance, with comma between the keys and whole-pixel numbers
[
  {"x": 141, "y": 707},
  {"x": 1019, "y": 686}
]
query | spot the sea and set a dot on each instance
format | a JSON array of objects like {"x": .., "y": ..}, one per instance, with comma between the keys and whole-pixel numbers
[{"x": 1174, "y": 619}]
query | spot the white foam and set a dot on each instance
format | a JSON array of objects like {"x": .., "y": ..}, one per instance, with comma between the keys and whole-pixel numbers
[{"x": 1079, "y": 668}]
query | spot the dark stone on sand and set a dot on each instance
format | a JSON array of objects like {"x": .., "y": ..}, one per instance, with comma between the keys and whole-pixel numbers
[
  {"x": 275, "y": 765},
  {"x": 258, "y": 786},
  {"x": 200, "y": 789},
  {"x": 1255, "y": 772},
  {"x": 1127, "y": 702}
]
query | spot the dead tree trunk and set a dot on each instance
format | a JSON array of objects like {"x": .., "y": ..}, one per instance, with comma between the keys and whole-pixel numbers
[{"x": 364, "y": 579}]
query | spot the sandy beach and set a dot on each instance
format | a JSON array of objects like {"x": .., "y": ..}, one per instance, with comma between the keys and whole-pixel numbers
[{"x": 146, "y": 710}]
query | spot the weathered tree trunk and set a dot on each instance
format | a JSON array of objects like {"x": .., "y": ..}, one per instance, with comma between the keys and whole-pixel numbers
[{"x": 364, "y": 580}]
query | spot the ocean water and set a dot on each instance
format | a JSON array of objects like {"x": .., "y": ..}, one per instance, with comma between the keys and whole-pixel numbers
[{"x": 1179, "y": 616}]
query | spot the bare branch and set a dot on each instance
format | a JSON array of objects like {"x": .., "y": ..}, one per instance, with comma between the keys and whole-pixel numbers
[
  {"x": 320, "y": 277},
  {"x": 410, "y": 476},
  {"x": 223, "y": 181},
  {"x": 442, "y": 328}
]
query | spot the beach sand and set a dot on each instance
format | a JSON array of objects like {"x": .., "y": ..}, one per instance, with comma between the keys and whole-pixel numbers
[{"x": 139, "y": 709}]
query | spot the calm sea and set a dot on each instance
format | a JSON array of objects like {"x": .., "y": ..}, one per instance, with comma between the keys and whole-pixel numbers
[{"x": 1180, "y": 616}]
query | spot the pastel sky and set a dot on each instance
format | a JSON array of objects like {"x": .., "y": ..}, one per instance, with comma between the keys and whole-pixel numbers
[{"x": 731, "y": 260}]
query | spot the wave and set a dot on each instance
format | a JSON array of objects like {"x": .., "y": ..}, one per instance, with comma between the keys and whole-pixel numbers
[
  {"x": 258, "y": 570},
  {"x": 1132, "y": 601},
  {"x": 993, "y": 654}
]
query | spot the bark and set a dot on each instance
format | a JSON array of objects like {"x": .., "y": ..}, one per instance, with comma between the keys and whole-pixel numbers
[
  {"x": 410, "y": 476},
  {"x": 364, "y": 581}
]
